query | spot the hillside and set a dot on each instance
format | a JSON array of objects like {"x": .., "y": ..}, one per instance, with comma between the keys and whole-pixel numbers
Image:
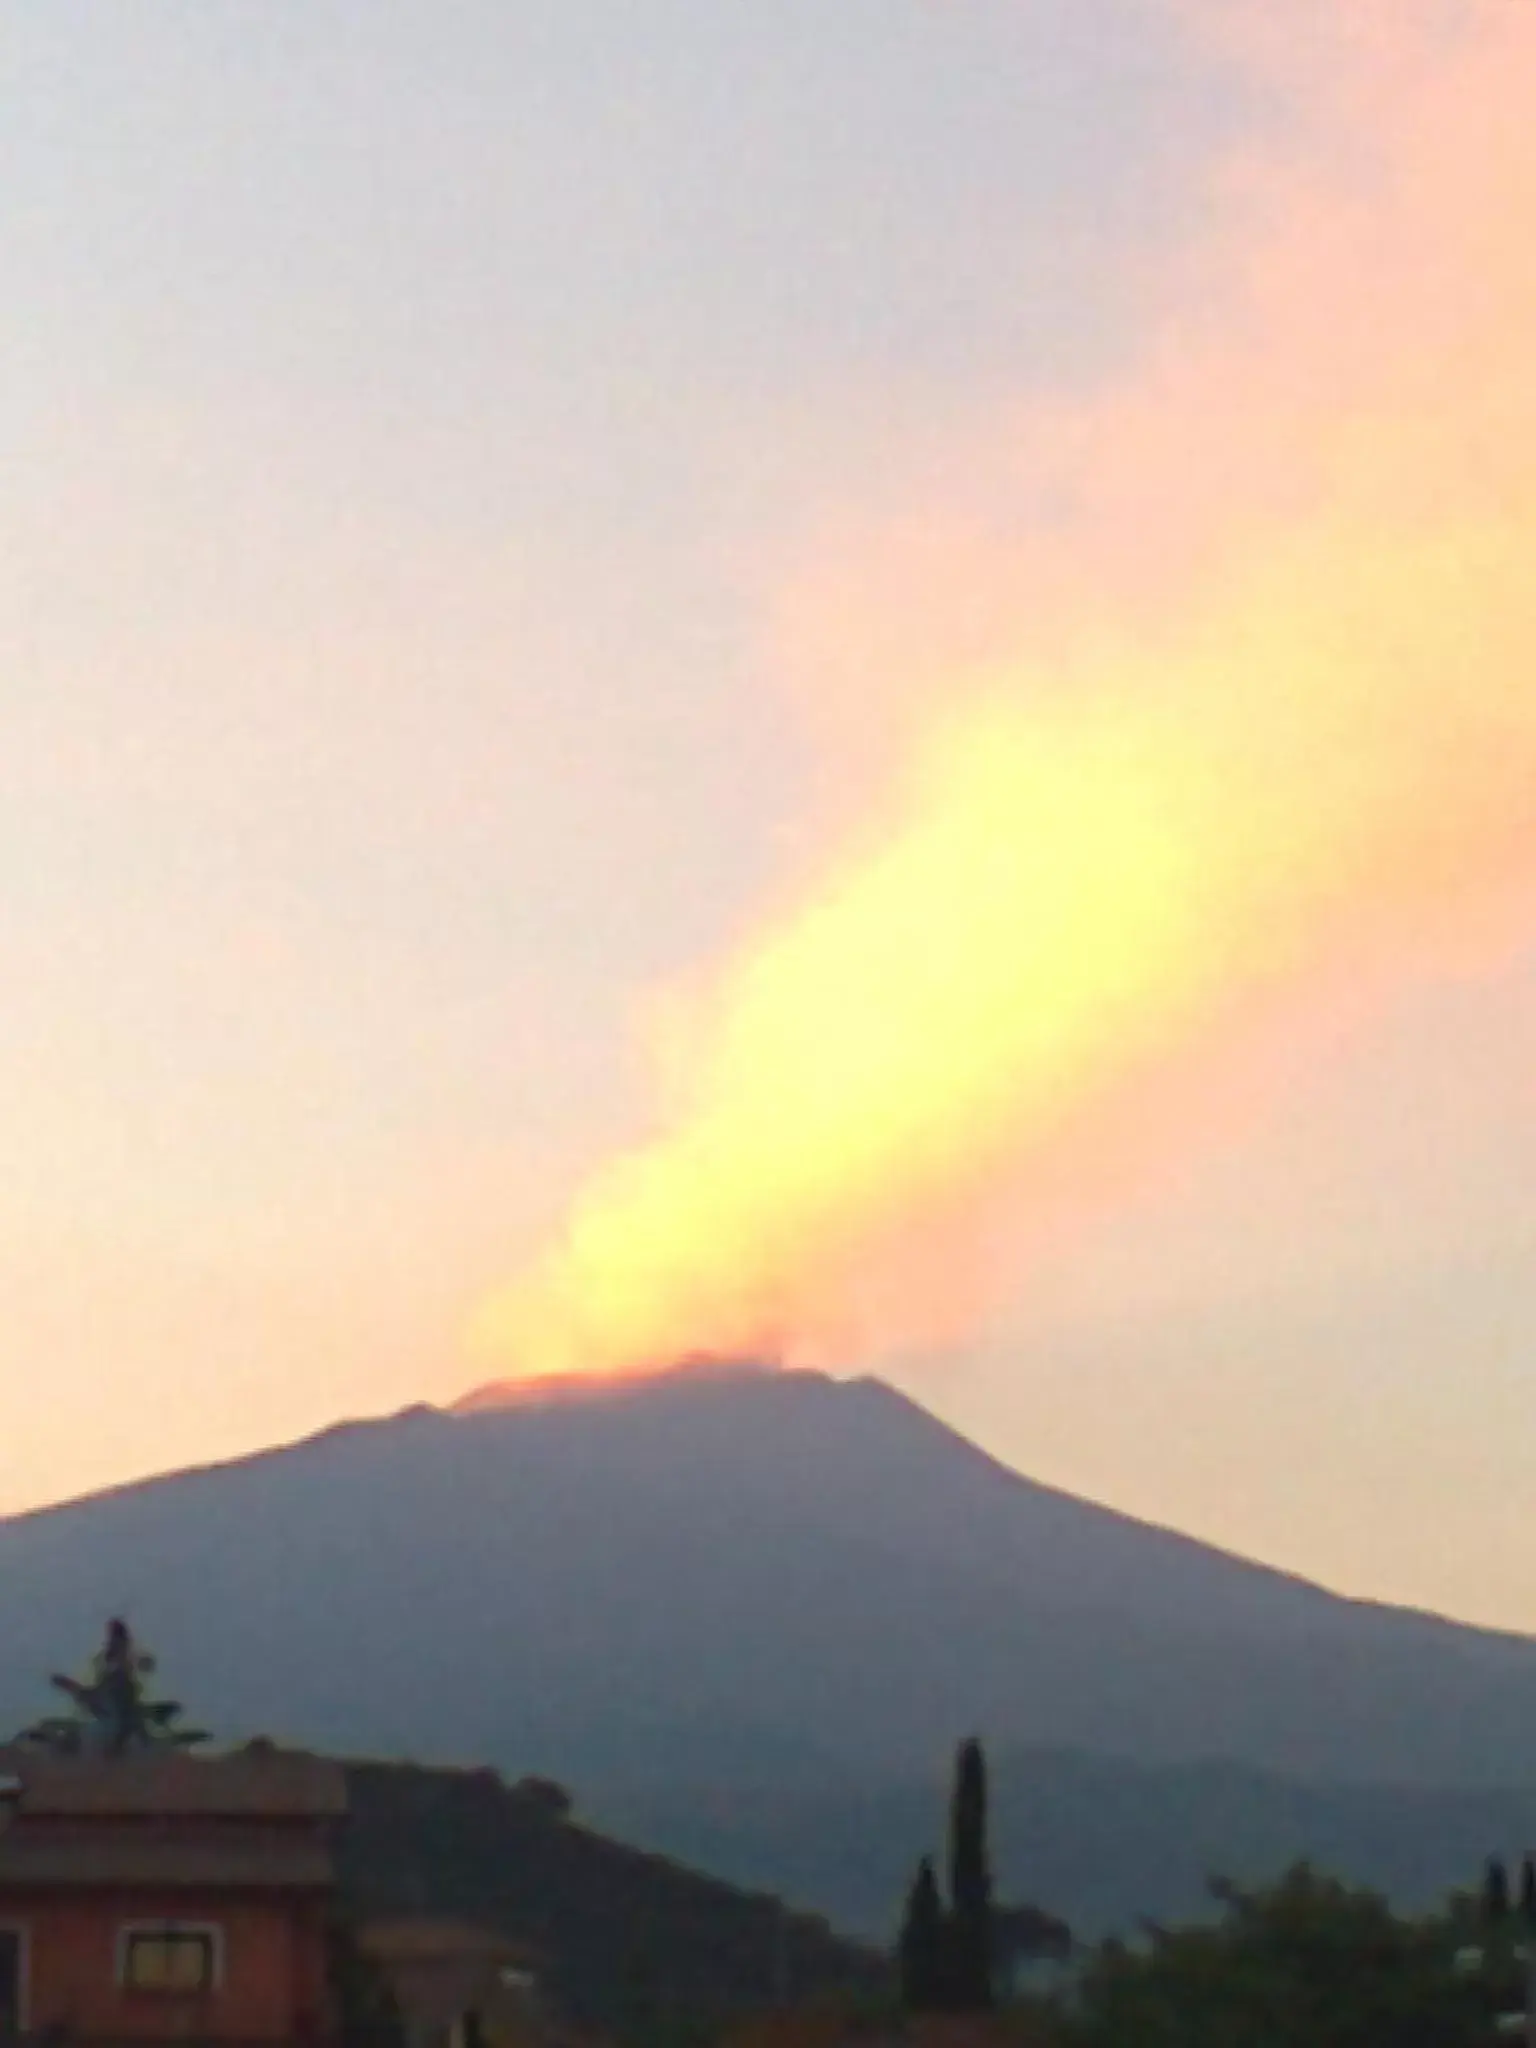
[{"x": 624, "y": 1939}]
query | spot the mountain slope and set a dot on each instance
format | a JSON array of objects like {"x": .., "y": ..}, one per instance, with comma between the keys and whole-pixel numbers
[
  {"x": 773, "y": 1576},
  {"x": 624, "y": 1940},
  {"x": 1101, "y": 1840}
]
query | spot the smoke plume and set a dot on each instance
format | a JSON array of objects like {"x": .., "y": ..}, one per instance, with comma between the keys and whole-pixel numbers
[{"x": 1266, "y": 706}]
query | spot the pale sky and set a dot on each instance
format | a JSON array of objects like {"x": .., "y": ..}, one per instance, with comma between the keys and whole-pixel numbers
[{"x": 415, "y": 416}]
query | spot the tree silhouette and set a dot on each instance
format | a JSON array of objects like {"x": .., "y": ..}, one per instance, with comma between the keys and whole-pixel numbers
[
  {"x": 970, "y": 1884},
  {"x": 922, "y": 1949},
  {"x": 1026, "y": 1934},
  {"x": 114, "y": 1713},
  {"x": 1495, "y": 1891},
  {"x": 947, "y": 1952},
  {"x": 1306, "y": 1962}
]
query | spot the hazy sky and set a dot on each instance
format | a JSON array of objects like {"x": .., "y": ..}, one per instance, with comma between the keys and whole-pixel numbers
[{"x": 416, "y": 417}]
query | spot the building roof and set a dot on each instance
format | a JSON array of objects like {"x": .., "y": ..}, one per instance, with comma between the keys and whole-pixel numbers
[
  {"x": 45, "y": 1859},
  {"x": 257, "y": 1782},
  {"x": 430, "y": 1939},
  {"x": 441, "y": 1969}
]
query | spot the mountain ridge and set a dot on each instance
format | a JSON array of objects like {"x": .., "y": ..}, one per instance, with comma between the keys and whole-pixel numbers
[
  {"x": 704, "y": 1554},
  {"x": 492, "y": 1400}
]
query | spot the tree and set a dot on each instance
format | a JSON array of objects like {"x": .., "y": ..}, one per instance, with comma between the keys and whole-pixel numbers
[
  {"x": 543, "y": 1796},
  {"x": 1304, "y": 1963},
  {"x": 1495, "y": 1892},
  {"x": 970, "y": 1885},
  {"x": 1026, "y": 1934},
  {"x": 114, "y": 1713},
  {"x": 922, "y": 1949},
  {"x": 1528, "y": 1890},
  {"x": 952, "y": 1954}
]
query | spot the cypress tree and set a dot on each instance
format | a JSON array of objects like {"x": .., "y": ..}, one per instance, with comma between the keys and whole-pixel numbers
[
  {"x": 970, "y": 1885},
  {"x": 1495, "y": 1891},
  {"x": 922, "y": 1947}
]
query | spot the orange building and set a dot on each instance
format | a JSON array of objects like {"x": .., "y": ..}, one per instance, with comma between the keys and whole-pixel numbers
[{"x": 159, "y": 1896}]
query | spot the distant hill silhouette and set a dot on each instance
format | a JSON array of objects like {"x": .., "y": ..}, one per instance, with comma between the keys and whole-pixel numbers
[
  {"x": 1101, "y": 1840},
  {"x": 774, "y": 1582}
]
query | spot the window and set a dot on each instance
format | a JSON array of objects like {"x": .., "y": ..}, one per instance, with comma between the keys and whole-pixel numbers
[{"x": 168, "y": 1958}]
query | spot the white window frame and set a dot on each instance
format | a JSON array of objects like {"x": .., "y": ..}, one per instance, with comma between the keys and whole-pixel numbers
[
  {"x": 22, "y": 1929},
  {"x": 159, "y": 1930}
]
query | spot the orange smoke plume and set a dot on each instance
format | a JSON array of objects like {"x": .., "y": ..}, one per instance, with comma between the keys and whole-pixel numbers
[{"x": 1272, "y": 701}]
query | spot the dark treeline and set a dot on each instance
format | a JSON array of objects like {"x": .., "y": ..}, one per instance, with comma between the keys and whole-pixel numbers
[{"x": 1306, "y": 1962}]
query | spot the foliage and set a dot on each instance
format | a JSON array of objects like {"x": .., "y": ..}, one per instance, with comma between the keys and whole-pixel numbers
[
  {"x": 547, "y": 1795},
  {"x": 1306, "y": 1963},
  {"x": 970, "y": 1886},
  {"x": 952, "y": 1956},
  {"x": 922, "y": 1946},
  {"x": 627, "y": 1944},
  {"x": 113, "y": 1711},
  {"x": 1028, "y": 1934}
]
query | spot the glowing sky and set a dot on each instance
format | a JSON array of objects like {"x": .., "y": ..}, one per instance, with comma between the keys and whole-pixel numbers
[{"x": 486, "y": 496}]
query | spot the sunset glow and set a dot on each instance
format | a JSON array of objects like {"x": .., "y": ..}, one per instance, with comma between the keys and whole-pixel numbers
[{"x": 1306, "y": 733}]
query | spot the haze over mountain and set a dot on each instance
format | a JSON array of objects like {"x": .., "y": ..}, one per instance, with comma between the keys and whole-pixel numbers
[
  {"x": 1102, "y": 1840},
  {"x": 745, "y": 1583}
]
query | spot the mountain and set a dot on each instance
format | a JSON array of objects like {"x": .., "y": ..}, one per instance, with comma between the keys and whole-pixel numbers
[{"x": 785, "y": 1585}]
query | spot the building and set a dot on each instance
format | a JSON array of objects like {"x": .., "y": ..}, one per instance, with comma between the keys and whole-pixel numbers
[
  {"x": 155, "y": 1895},
  {"x": 460, "y": 1986}
]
